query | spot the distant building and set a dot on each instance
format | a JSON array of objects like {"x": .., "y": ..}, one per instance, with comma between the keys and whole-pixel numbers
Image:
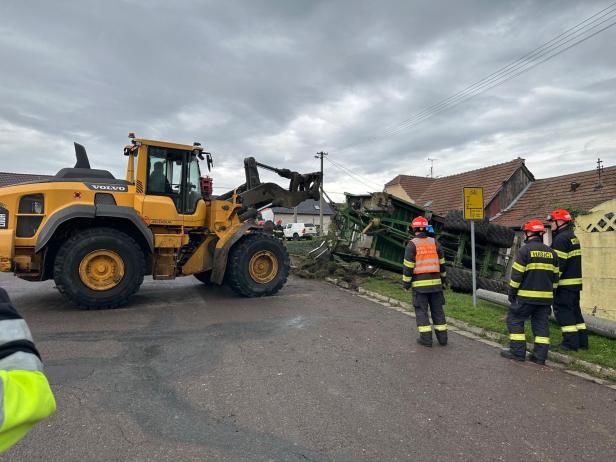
[
  {"x": 512, "y": 195},
  {"x": 501, "y": 183},
  {"x": 576, "y": 191},
  {"x": 307, "y": 212}
]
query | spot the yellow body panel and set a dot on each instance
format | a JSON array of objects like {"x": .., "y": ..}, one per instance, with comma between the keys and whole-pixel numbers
[
  {"x": 7, "y": 247},
  {"x": 170, "y": 241},
  {"x": 158, "y": 210},
  {"x": 217, "y": 220},
  {"x": 201, "y": 260}
]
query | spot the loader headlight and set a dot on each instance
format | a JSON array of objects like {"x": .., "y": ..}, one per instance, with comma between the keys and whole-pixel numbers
[
  {"x": 4, "y": 218},
  {"x": 37, "y": 207}
]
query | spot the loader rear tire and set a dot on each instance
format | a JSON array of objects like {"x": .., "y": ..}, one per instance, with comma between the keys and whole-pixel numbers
[
  {"x": 99, "y": 268},
  {"x": 258, "y": 266}
]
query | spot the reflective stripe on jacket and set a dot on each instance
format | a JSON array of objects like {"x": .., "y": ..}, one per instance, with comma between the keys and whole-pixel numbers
[
  {"x": 25, "y": 395},
  {"x": 534, "y": 274},
  {"x": 567, "y": 247}
]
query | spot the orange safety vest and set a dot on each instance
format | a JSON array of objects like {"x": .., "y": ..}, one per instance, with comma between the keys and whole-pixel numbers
[{"x": 426, "y": 257}]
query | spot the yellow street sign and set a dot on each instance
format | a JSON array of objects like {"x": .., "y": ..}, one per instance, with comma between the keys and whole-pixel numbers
[{"x": 473, "y": 204}]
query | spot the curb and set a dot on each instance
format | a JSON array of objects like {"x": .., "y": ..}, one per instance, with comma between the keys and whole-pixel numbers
[{"x": 598, "y": 373}]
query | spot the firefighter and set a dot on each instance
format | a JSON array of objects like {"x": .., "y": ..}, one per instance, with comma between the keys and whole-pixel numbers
[
  {"x": 425, "y": 273},
  {"x": 567, "y": 296},
  {"x": 534, "y": 277},
  {"x": 25, "y": 395}
]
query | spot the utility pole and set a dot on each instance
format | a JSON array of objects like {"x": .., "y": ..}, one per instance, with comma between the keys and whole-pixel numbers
[
  {"x": 320, "y": 156},
  {"x": 431, "y": 166}
]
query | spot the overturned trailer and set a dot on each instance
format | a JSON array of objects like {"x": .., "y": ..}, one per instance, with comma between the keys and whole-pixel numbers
[{"x": 373, "y": 229}]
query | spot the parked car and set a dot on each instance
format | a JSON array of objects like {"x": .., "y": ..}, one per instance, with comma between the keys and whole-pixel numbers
[{"x": 297, "y": 231}]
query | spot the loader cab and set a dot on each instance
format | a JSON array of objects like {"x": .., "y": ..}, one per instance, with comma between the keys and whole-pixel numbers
[
  {"x": 169, "y": 183},
  {"x": 175, "y": 174}
]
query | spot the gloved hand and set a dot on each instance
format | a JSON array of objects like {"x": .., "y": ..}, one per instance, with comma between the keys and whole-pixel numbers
[
  {"x": 512, "y": 296},
  {"x": 444, "y": 282}
]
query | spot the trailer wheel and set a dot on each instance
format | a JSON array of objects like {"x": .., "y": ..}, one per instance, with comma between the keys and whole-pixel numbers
[
  {"x": 454, "y": 221},
  {"x": 493, "y": 285},
  {"x": 460, "y": 280},
  {"x": 258, "y": 266},
  {"x": 500, "y": 236},
  {"x": 99, "y": 268}
]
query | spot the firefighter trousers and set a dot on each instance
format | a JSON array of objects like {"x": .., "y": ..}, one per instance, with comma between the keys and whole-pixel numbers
[
  {"x": 568, "y": 313},
  {"x": 434, "y": 301},
  {"x": 539, "y": 316}
]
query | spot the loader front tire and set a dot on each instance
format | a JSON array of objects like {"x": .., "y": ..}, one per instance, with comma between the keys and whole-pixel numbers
[
  {"x": 99, "y": 268},
  {"x": 204, "y": 277},
  {"x": 258, "y": 266}
]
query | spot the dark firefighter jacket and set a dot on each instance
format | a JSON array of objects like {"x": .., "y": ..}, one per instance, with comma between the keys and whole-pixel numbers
[
  {"x": 567, "y": 247},
  {"x": 424, "y": 265},
  {"x": 25, "y": 396},
  {"x": 534, "y": 274}
]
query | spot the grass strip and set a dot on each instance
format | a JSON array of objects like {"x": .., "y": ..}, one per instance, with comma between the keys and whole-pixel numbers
[{"x": 491, "y": 317}]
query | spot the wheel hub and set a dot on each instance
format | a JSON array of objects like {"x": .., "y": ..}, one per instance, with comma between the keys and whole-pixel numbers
[
  {"x": 101, "y": 270},
  {"x": 263, "y": 267}
]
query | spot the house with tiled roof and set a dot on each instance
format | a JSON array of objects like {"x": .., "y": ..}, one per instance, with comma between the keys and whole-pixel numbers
[
  {"x": 501, "y": 183},
  {"x": 408, "y": 187},
  {"x": 576, "y": 191},
  {"x": 8, "y": 179}
]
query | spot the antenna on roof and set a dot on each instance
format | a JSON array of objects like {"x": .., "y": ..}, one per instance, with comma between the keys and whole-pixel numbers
[
  {"x": 431, "y": 159},
  {"x": 599, "y": 172}
]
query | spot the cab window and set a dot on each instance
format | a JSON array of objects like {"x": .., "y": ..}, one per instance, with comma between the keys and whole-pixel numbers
[
  {"x": 165, "y": 174},
  {"x": 193, "y": 185},
  {"x": 175, "y": 174}
]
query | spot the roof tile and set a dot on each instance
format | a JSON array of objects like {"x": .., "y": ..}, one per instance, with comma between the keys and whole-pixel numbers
[
  {"x": 8, "y": 179},
  {"x": 546, "y": 194},
  {"x": 446, "y": 192}
]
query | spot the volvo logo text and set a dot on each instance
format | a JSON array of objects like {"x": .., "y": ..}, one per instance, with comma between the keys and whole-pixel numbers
[{"x": 108, "y": 187}]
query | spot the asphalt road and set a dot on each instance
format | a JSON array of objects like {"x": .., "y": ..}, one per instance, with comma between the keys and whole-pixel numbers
[{"x": 189, "y": 372}]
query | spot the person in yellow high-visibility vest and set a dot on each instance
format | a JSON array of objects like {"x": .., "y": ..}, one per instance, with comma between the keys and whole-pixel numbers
[{"x": 25, "y": 395}]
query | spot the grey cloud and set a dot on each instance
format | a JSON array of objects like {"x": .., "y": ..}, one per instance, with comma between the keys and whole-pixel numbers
[{"x": 279, "y": 80}]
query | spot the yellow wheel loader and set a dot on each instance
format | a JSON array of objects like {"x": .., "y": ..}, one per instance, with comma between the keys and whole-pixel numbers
[{"x": 97, "y": 236}]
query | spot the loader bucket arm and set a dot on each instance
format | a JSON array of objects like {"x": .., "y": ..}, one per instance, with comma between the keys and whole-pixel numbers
[{"x": 255, "y": 194}]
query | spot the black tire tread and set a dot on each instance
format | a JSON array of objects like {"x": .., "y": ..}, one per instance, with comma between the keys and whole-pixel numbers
[
  {"x": 65, "y": 251},
  {"x": 460, "y": 279},
  {"x": 234, "y": 273},
  {"x": 500, "y": 236}
]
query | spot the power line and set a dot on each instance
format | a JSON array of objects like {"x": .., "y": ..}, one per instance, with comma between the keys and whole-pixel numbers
[
  {"x": 353, "y": 175},
  {"x": 538, "y": 52},
  {"x": 539, "y": 55},
  {"x": 505, "y": 79}
]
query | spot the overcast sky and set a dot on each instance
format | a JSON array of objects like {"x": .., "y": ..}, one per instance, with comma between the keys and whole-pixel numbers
[{"x": 281, "y": 80}]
